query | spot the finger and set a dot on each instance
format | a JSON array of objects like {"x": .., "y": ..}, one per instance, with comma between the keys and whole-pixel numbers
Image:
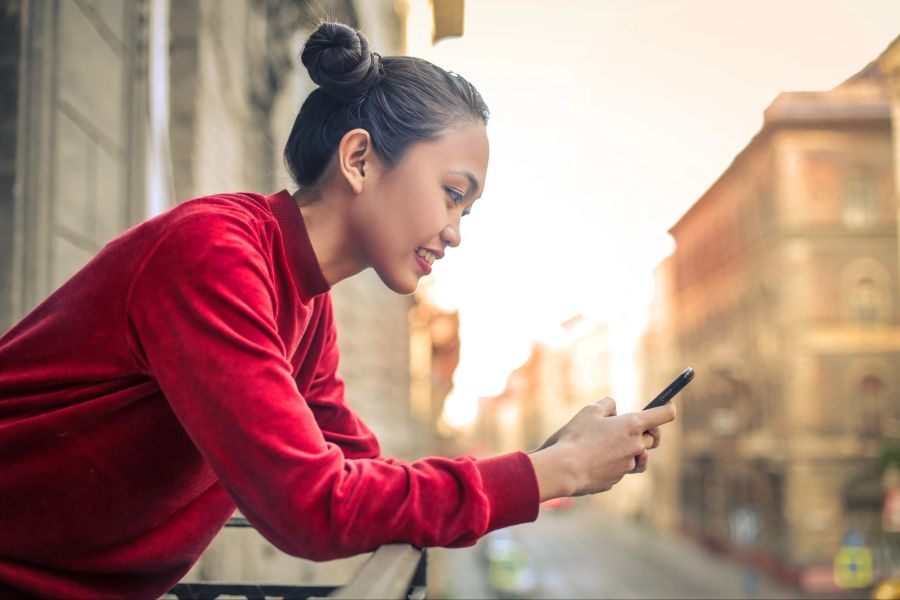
[
  {"x": 641, "y": 461},
  {"x": 654, "y": 417},
  {"x": 656, "y": 433},
  {"x": 632, "y": 463},
  {"x": 649, "y": 441},
  {"x": 608, "y": 406}
]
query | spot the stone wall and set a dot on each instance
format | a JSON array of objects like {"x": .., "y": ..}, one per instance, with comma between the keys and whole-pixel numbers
[{"x": 75, "y": 146}]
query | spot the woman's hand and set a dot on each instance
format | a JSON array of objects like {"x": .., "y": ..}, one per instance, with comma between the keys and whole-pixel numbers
[{"x": 594, "y": 450}]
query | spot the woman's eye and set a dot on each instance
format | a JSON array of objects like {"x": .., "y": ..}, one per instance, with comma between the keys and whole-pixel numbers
[{"x": 455, "y": 195}]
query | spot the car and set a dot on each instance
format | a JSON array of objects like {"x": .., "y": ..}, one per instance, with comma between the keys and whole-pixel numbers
[{"x": 511, "y": 572}]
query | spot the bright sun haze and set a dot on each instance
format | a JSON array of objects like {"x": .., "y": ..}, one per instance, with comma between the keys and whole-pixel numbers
[{"x": 608, "y": 121}]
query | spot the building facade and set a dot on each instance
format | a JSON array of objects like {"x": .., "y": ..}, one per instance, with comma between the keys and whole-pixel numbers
[{"x": 782, "y": 293}]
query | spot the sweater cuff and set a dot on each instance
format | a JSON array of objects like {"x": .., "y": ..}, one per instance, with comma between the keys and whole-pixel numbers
[{"x": 512, "y": 489}]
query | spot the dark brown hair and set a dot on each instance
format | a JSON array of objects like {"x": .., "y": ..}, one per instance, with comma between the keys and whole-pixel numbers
[{"x": 399, "y": 100}]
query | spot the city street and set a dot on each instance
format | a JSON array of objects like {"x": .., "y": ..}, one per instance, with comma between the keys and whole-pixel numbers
[{"x": 589, "y": 553}]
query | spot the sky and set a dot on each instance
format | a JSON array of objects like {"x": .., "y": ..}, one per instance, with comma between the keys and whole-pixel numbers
[{"x": 609, "y": 119}]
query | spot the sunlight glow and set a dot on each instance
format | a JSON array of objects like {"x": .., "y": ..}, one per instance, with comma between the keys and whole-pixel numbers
[{"x": 608, "y": 121}]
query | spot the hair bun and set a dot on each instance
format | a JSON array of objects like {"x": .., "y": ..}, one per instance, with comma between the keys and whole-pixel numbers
[{"x": 339, "y": 61}]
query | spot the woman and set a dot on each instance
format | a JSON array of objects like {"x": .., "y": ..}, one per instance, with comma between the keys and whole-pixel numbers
[{"x": 190, "y": 367}]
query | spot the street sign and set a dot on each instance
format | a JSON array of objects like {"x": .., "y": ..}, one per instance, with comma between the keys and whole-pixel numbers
[{"x": 853, "y": 562}]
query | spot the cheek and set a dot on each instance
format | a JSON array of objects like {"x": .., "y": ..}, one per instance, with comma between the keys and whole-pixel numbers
[
  {"x": 410, "y": 214},
  {"x": 420, "y": 220},
  {"x": 425, "y": 222}
]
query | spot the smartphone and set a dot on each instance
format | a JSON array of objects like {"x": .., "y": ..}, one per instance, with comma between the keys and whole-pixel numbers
[{"x": 673, "y": 388}]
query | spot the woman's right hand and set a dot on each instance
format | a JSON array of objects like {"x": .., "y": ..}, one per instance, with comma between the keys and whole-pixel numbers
[{"x": 597, "y": 448}]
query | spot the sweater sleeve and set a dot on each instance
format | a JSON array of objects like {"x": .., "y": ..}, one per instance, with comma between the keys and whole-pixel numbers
[
  {"x": 338, "y": 422},
  {"x": 202, "y": 313}
]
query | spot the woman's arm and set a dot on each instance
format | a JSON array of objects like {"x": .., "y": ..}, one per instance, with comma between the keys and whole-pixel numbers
[
  {"x": 326, "y": 397},
  {"x": 202, "y": 308},
  {"x": 553, "y": 474}
]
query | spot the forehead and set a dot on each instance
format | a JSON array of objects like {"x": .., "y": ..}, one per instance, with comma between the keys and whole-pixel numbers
[{"x": 458, "y": 149}]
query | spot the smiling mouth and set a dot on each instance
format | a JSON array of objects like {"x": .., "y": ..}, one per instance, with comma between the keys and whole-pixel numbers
[{"x": 426, "y": 255}]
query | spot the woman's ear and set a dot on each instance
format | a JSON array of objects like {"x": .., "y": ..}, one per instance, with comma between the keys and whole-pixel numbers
[{"x": 355, "y": 152}]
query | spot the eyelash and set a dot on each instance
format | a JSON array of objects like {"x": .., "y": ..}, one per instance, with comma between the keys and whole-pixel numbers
[{"x": 456, "y": 197}]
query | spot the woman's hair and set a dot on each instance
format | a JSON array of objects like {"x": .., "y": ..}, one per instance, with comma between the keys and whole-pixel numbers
[{"x": 399, "y": 100}]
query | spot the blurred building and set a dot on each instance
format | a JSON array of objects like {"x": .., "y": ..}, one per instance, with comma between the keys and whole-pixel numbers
[
  {"x": 112, "y": 112},
  {"x": 782, "y": 293},
  {"x": 889, "y": 63},
  {"x": 559, "y": 377},
  {"x": 658, "y": 355},
  {"x": 433, "y": 358}
]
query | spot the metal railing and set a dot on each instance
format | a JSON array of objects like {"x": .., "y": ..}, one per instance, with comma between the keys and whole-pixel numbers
[{"x": 393, "y": 571}]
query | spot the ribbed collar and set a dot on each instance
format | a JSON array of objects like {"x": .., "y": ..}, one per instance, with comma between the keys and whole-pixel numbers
[{"x": 301, "y": 257}]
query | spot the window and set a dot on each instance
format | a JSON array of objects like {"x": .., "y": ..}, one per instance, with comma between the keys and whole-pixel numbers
[
  {"x": 871, "y": 409},
  {"x": 865, "y": 286},
  {"x": 860, "y": 197},
  {"x": 871, "y": 396},
  {"x": 865, "y": 301}
]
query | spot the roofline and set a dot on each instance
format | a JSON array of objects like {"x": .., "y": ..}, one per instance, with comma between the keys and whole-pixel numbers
[{"x": 780, "y": 115}]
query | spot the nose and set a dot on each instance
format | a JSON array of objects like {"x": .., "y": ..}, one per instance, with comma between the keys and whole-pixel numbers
[{"x": 450, "y": 236}]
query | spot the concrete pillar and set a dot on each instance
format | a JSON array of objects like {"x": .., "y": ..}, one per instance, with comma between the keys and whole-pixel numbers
[{"x": 11, "y": 19}]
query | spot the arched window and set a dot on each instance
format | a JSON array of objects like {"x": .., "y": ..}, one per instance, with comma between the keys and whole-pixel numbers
[{"x": 865, "y": 303}]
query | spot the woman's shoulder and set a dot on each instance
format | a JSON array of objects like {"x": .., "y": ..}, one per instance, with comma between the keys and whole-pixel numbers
[
  {"x": 244, "y": 205},
  {"x": 202, "y": 217},
  {"x": 220, "y": 223}
]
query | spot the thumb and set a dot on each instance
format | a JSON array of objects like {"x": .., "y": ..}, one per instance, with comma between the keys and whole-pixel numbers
[{"x": 607, "y": 406}]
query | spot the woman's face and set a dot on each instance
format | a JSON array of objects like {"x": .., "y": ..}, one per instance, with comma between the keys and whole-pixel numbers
[{"x": 410, "y": 213}]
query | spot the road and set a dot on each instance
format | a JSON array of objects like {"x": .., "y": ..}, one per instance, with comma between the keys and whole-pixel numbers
[{"x": 589, "y": 553}]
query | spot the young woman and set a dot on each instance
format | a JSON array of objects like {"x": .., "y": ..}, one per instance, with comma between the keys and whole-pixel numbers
[{"x": 190, "y": 367}]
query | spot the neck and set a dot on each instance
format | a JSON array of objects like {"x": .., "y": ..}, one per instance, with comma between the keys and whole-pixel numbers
[{"x": 329, "y": 235}]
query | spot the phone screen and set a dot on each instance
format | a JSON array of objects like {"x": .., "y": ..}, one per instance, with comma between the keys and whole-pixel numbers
[{"x": 673, "y": 388}]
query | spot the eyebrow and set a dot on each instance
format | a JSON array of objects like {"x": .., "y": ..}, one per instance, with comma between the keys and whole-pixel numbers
[{"x": 474, "y": 186}]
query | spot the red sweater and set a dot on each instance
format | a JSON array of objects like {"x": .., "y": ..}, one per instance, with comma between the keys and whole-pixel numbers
[{"x": 189, "y": 368}]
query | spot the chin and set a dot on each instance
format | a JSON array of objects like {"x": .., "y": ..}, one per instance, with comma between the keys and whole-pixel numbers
[
  {"x": 400, "y": 285},
  {"x": 406, "y": 290}
]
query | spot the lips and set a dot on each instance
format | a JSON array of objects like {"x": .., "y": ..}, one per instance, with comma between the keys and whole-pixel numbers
[
  {"x": 428, "y": 255},
  {"x": 426, "y": 258},
  {"x": 423, "y": 264}
]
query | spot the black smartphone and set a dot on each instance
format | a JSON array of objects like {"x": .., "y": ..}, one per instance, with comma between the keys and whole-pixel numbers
[{"x": 672, "y": 389}]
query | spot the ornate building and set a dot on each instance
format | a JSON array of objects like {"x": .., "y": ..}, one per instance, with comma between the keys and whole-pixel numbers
[{"x": 782, "y": 293}]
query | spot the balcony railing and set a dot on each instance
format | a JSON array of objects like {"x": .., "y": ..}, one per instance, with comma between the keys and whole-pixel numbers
[{"x": 393, "y": 571}]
